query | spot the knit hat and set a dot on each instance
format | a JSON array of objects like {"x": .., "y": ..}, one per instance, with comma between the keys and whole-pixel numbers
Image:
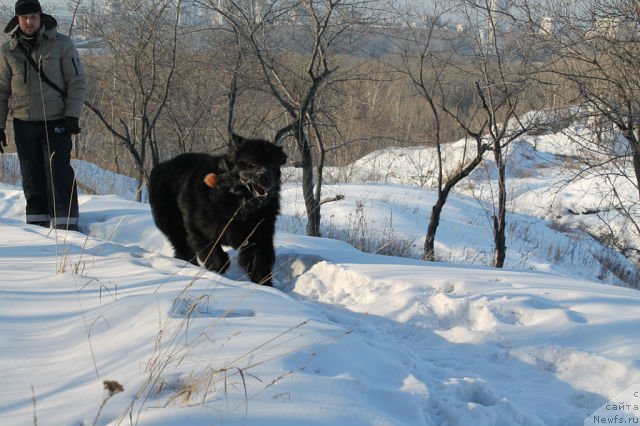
[{"x": 25, "y": 7}]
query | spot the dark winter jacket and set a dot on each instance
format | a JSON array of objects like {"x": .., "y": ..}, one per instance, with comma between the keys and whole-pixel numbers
[{"x": 21, "y": 90}]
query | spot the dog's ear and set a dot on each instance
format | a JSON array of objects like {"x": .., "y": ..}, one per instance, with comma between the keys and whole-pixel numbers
[
  {"x": 282, "y": 157},
  {"x": 236, "y": 141},
  {"x": 211, "y": 180}
]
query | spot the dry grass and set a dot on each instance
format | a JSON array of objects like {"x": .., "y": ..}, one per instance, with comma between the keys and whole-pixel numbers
[
  {"x": 173, "y": 348},
  {"x": 358, "y": 234},
  {"x": 210, "y": 376}
]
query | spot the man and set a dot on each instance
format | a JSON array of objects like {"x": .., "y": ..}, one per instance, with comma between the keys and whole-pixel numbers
[{"x": 42, "y": 85}]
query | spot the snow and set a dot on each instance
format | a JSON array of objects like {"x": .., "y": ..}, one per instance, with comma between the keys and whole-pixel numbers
[{"x": 345, "y": 337}]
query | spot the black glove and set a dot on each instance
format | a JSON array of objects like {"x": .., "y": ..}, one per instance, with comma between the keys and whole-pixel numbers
[
  {"x": 3, "y": 141},
  {"x": 72, "y": 126}
]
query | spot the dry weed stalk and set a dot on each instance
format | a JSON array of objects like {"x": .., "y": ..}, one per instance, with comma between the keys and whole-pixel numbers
[
  {"x": 33, "y": 401},
  {"x": 112, "y": 388},
  {"x": 78, "y": 267}
]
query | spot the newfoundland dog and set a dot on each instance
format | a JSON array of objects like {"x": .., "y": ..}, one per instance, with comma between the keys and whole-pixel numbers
[{"x": 201, "y": 202}]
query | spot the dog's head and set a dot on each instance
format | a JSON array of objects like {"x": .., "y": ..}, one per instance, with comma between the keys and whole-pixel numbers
[{"x": 254, "y": 165}]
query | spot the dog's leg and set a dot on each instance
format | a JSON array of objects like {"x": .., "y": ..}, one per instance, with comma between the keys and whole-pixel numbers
[
  {"x": 184, "y": 252},
  {"x": 209, "y": 251},
  {"x": 176, "y": 236},
  {"x": 258, "y": 262},
  {"x": 168, "y": 218},
  {"x": 257, "y": 258},
  {"x": 215, "y": 259}
]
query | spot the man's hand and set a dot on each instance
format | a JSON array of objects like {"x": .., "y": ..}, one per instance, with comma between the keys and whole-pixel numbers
[
  {"x": 72, "y": 126},
  {"x": 3, "y": 141}
]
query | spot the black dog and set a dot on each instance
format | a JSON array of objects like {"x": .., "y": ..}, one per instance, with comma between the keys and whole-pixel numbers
[{"x": 200, "y": 202}]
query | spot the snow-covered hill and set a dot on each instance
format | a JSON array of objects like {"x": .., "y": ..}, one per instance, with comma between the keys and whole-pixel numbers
[
  {"x": 346, "y": 337},
  {"x": 559, "y": 213}
]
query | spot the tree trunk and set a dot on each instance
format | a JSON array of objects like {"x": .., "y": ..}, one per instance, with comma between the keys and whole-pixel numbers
[
  {"x": 499, "y": 241},
  {"x": 443, "y": 194},
  {"x": 319, "y": 180},
  {"x": 636, "y": 164},
  {"x": 434, "y": 222},
  {"x": 500, "y": 221},
  {"x": 139, "y": 189},
  {"x": 311, "y": 204}
]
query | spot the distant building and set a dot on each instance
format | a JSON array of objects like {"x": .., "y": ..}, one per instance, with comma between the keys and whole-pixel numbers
[
  {"x": 192, "y": 13},
  {"x": 547, "y": 26},
  {"x": 111, "y": 7},
  {"x": 615, "y": 28},
  {"x": 607, "y": 27}
]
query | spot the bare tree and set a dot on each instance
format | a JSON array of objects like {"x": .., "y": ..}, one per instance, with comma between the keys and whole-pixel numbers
[
  {"x": 596, "y": 46},
  {"x": 297, "y": 46},
  {"x": 426, "y": 57},
  {"x": 133, "y": 74},
  {"x": 485, "y": 55},
  {"x": 499, "y": 67},
  {"x": 599, "y": 53}
]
